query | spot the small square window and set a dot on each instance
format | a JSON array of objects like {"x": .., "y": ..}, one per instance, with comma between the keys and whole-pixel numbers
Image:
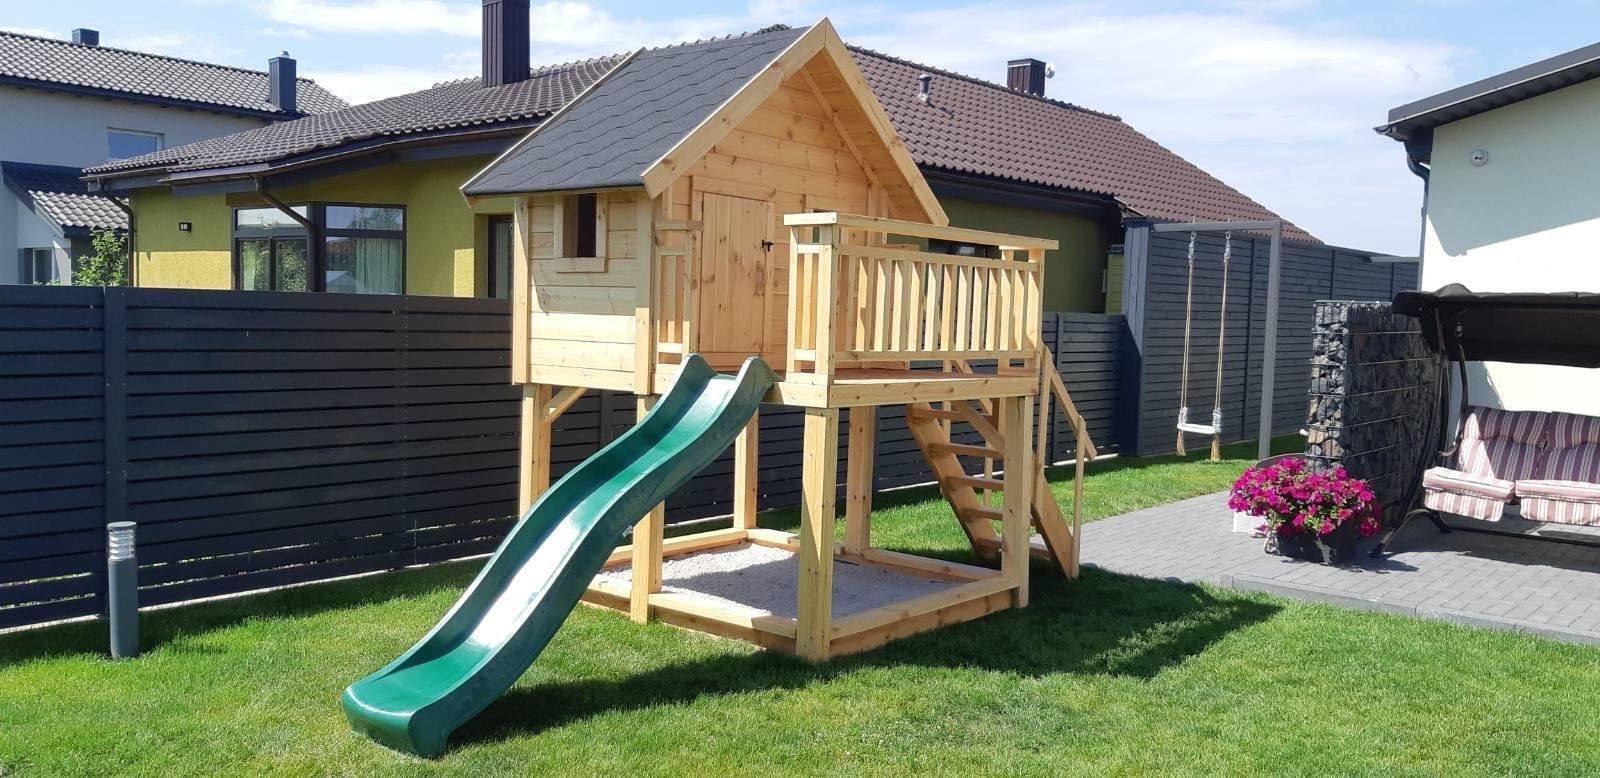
[
  {"x": 122, "y": 144},
  {"x": 38, "y": 266}
]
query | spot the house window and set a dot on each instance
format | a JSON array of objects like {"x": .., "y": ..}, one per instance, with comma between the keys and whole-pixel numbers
[
  {"x": 37, "y": 266},
  {"x": 122, "y": 144},
  {"x": 500, "y": 231},
  {"x": 359, "y": 249},
  {"x": 936, "y": 246},
  {"x": 365, "y": 249},
  {"x": 580, "y": 235}
]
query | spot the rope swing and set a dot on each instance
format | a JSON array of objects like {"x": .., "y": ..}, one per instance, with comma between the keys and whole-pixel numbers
[{"x": 1215, "y": 428}]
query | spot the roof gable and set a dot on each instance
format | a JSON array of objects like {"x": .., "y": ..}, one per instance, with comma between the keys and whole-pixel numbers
[
  {"x": 650, "y": 120},
  {"x": 48, "y": 63}
]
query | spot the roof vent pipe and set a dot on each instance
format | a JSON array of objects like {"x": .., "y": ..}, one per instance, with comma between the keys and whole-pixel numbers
[
  {"x": 505, "y": 42},
  {"x": 925, "y": 87},
  {"x": 86, "y": 36},
  {"x": 281, "y": 83}
]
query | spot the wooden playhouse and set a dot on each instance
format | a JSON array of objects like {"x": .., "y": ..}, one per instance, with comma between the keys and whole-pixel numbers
[{"x": 748, "y": 196}]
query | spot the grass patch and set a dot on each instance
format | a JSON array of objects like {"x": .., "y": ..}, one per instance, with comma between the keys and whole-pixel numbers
[{"x": 1108, "y": 674}]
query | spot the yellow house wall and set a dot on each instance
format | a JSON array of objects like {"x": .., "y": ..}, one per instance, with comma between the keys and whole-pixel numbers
[{"x": 445, "y": 237}]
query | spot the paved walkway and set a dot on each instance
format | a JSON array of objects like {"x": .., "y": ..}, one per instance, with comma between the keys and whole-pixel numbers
[{"x": 1548, "y": 589}]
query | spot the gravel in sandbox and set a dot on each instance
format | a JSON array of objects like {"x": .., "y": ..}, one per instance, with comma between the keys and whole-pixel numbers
[{"x": 762, "y": 579}]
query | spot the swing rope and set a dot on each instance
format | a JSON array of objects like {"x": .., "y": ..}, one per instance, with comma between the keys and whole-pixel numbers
[{"x": 1215, "y": 429}]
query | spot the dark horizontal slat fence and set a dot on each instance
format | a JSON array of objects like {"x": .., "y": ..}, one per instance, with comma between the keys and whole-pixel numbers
[
  {"x": 1309, "y": 273},
  {"x": 263, "y": 439}
]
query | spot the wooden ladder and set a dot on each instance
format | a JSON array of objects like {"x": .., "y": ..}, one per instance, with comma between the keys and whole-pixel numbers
[{"x": 971, "y": 494}]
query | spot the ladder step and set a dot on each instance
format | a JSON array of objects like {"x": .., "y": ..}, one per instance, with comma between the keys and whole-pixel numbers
[
  {"x": 977, "y": 482},
  {"x": 964, "y": 450},
  {"x": 944, "y": 415},
  {"x": 975, "y": 514}
]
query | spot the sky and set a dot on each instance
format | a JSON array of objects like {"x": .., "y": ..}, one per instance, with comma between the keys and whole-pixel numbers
[{"x": 1275, "y": 97}]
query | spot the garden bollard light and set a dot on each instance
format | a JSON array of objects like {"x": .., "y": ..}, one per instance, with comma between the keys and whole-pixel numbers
[{"x": 122, "y": 584}]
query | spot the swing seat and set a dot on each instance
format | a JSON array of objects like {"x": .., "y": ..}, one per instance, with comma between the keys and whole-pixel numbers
[
  {"x": 1548, "y": 462},
  {"x": 1214, "y": 428}
]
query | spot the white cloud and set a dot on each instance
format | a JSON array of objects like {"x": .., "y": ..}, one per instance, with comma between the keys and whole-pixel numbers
[
  {"x": 1278, "y": 110},
  {"x": 176, "y": 44}
]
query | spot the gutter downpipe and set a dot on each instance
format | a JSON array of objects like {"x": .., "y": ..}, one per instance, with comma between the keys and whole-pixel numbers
[
  {"x": 1417, "y": 147},
  {"x": 312, "y": 233}
]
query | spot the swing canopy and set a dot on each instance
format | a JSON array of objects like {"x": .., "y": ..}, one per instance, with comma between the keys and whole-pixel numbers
[{"x": 1557, "y": 328}]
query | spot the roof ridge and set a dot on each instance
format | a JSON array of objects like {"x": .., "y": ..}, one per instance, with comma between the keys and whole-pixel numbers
[
  {"x": 983, "y": 82},
  {"x": 771, "y": 28},
  {"x": 149, "y": 54},
  {"x": 535, "y": 72}
]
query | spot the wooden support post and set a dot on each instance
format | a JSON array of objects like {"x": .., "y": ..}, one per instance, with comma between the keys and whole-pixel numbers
[
  {"x": 1016, "y": 419},
  {"x": 1080, "y": 436},
  {"x": 819, "y": 479},
  {"x": 746, "y": 461},
  {"x": 533, "y": 478},
  {"x": 858, "y": 479},
  {"x": 647, "y": 539}
]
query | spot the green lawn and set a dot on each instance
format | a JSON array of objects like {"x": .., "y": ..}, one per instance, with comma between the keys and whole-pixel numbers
[{"x": 1105, "y": 675}]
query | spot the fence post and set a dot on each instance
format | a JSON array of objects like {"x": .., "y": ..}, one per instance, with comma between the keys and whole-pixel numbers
[{"x": 114, "y": 368}]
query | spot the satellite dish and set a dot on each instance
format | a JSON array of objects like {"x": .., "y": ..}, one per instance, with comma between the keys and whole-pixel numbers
[{"x": 1049, "y": 70}]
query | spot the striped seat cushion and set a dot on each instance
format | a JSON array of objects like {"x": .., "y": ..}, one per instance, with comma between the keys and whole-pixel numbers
[
  {"x": 1465, "y": 494},
  {"x": 1575, "y": 449},
  {"x": 1562, "y": 502},
  {"x": 1502, "y": 444}
]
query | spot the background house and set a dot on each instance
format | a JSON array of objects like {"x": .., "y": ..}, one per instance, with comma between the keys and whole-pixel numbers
[
  {"x": 997, "y": 156},
  {"x": 65, "y": 105},
  {"x": 1513, "y": 202}
]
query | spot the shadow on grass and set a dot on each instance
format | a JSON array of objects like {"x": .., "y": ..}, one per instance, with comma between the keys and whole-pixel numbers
[
  {"x": 1103, "y": 624},
  {"x": 160, "y": 627}
]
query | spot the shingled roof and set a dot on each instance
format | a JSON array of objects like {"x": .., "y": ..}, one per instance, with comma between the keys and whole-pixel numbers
[
  {"x": 47, "y": 63},
  {"x": 970, "y": 126},
  {"x": 633, "y": 117},
  {"x": 978, "y": 127},
  {"x": 57, "y": 194},
  {"x": 451, "y": 105}
]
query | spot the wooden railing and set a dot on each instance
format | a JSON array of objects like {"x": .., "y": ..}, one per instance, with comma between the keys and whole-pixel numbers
[
  {"x": 674, "y": 303},
  {"x": 855, "y": 300}
]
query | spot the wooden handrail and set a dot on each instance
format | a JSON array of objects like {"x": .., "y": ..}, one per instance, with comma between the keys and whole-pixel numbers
[
  {"x": 1058, "y": 390},
  {"x": 920, "y": 230}
]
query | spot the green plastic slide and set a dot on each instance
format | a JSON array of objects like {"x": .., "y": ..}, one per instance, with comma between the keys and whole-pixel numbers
[{"x": 525, "y": 591}]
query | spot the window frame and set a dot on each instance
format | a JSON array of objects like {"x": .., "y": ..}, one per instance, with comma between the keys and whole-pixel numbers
[
  {"x": 160, "y": 138},
  {"x": 572, "y": 229},
  {"x": 317, "y": 238},
  {"x": 27, "y": 256},
  {"x": 492, "y": 287}
]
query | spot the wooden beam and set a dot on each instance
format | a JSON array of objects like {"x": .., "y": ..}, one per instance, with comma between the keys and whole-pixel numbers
[
  {"x": 858, "y": 479},
  {"x": 818, "y": 483},
  {"x": 746, "y": 461},
  {"x": 1016, "y": 422},
  {"x": 644, "y": 314},
  {"x": 647, "y": 546},
  {"x": 563, "y": 400},
  {"x": 918, "y": 229},
  {"x": 533, "y": 477},
  {"x": 521, "y": 287}
]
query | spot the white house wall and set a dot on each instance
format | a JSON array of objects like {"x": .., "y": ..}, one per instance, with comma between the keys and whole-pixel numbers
[
  {"x": 49, "y": 128},
  {"x": 1527, "y": 221}
]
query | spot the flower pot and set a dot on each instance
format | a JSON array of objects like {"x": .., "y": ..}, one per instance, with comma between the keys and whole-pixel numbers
[
  {"x": 1246, "y": 523},
  {"x": 1335, "y": 547}
]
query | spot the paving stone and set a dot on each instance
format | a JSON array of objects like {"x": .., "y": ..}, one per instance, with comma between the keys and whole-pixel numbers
[{"x": 1470, "y": 578}]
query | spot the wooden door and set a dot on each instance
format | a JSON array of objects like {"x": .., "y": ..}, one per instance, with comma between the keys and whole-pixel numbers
[{"x": 735, "y": 247}]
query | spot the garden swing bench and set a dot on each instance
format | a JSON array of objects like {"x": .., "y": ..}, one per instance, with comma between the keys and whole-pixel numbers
[{"x": 1546, "y": 462}]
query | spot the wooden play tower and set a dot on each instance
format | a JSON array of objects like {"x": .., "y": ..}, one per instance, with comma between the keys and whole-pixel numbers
[{"x": 791, "y": 224}]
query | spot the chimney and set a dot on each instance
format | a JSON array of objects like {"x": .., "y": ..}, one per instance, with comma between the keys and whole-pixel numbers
[
  {"x": 505, "y": 42},
  {"x": 86, "y": 36},
  {"x": 1027, "y": 75},
  {"x": 281, "y": 83}
]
